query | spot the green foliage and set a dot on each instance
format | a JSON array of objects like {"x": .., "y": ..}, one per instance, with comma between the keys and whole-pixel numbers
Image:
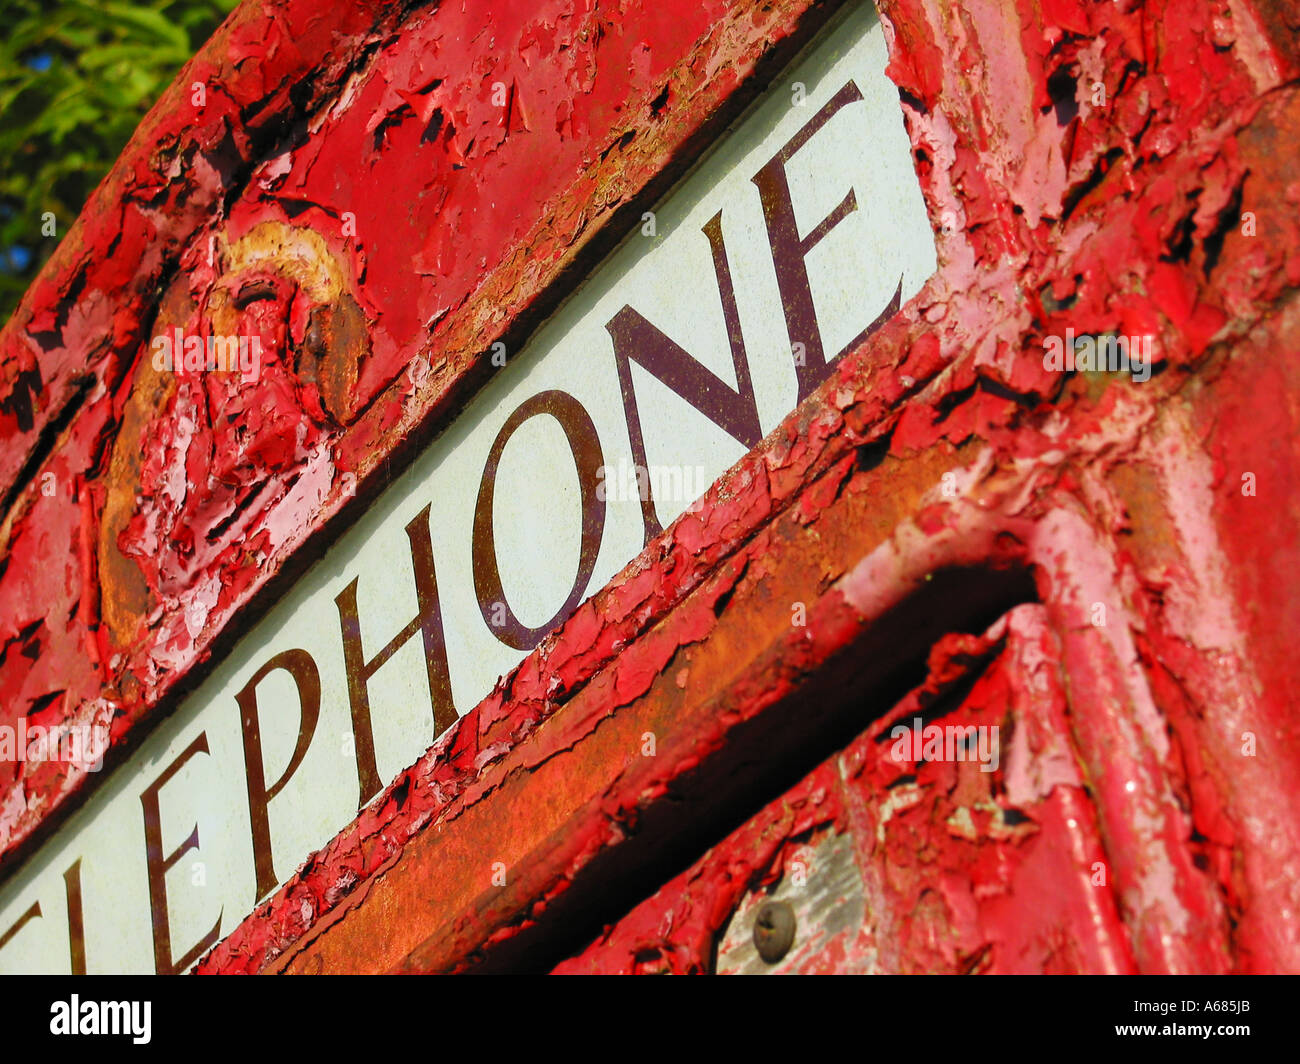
[{"x": 76, "y": 78}]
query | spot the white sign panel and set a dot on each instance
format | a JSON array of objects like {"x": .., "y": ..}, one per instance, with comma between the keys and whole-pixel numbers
[{"x": 802, "y": 230}]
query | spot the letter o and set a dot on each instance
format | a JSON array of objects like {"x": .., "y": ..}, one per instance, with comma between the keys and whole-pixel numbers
[{"x": 584, "y": 443}]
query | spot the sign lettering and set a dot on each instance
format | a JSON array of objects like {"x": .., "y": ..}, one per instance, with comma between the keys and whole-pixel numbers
[{"x": 800, "y": 233}]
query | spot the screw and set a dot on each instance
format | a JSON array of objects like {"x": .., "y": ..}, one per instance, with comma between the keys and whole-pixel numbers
[{"x": 774, "y": 930}]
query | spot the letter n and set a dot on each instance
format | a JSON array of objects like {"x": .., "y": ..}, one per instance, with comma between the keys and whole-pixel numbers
[{"x": 732, "y": 409}]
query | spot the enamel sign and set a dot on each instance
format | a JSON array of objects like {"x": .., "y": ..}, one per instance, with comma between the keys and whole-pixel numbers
[{"x": 796, "y": 236}]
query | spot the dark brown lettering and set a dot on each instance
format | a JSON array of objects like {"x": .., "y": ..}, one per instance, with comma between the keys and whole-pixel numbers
[
  {"x": 428, "y": 622},
  {"x": 76, "y": 918},
  {"x": 302, "y": 667},
  {"x": 585, "y": 445},
  {"x": 158, "y": 866},
  {"x": 790, "y": 251},
  {"x": 636, "y": 340},
  {"x": 33, "y": 912}
]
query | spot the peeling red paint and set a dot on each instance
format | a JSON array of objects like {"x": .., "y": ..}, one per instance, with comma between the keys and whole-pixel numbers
[
  {"x": 949, "y": 855},
  {"x": 194, "y": 519},
  {"x": 1087, "y": 168}
]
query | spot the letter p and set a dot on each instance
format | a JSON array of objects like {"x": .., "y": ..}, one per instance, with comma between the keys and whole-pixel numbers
[{"x": 301, "y": 666}]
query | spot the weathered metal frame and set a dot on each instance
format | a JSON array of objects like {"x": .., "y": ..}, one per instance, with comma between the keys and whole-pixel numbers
[
  {"x": 138, "y": 213},
  {"x": 1051, "y": 211}
]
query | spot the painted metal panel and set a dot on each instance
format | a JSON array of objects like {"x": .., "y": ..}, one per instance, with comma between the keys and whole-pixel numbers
[
  {"x": 131, "y": 623},
  {"x": 954, "y": 836},
  {"x": 496, "y": 517},
  {"x": 1091, "y": 172}
]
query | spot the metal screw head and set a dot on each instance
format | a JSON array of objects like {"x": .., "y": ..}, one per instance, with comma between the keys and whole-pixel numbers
[{"x": 774, "y": 930}]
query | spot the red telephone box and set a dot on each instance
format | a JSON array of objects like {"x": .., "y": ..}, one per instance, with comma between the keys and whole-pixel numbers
[{"x": 972, "y": 654}]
